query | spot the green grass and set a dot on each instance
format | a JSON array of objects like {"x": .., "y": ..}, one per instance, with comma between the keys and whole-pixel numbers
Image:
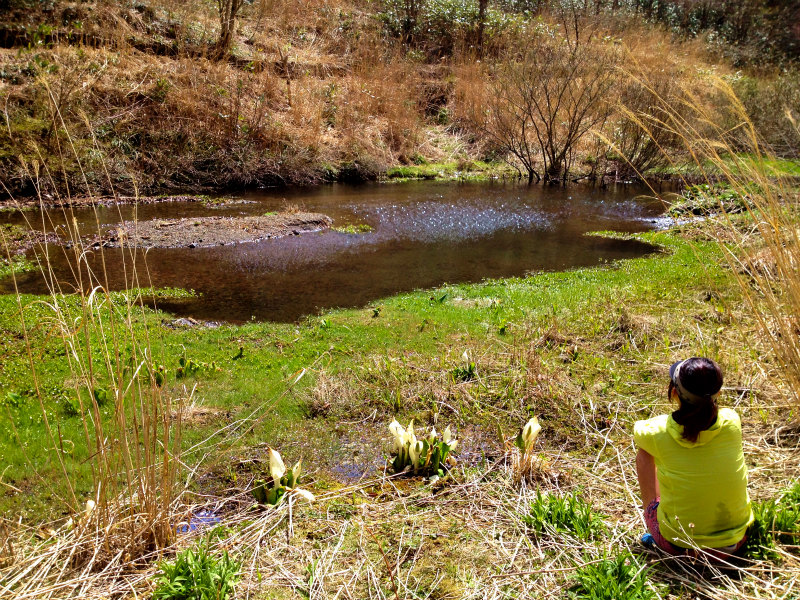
[
  {"x": 570, "y": 514},
  {"x": 378, "y": 359},
  {"x": 353, "y": 228},
  {"x": 777, "y": 521},
  {"x": 615, "y": 578},
  {"x": 467, "y": 170},
  {"x": 197, "y": 574},
  {"x": 17, "y": 264}
]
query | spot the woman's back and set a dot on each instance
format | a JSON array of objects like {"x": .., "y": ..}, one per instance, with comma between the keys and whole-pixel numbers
[{"x": 703, "y": 484}]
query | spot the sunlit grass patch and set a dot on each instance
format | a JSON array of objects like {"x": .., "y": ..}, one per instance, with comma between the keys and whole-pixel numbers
[
  {"x": 619, "y": 577},
  {"x": 777, "y": 522},
  {"x": 197, "y": 573},
  {"x": 564, "y": 514},
  {"x": 353, "y": 228}
]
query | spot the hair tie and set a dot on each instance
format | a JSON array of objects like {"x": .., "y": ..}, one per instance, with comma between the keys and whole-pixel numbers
[{"x": 685, "y": 394}]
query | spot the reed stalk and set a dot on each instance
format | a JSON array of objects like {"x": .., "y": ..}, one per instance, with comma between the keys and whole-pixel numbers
[{"x": 761, "y": 246}]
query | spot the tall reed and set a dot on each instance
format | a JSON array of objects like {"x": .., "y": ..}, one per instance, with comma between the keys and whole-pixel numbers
[
  {"x": 130, "y": 421},
  {"x": 762, "y": 248}
]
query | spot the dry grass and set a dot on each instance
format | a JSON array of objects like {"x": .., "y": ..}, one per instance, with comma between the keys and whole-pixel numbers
[
  {"x": 464, "y": 537},
  {"x": 304, "y": 98},
  {"x": 762, "y": 249}
]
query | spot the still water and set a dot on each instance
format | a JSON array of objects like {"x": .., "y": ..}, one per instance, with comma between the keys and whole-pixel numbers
[{"x": 424, "y": 234}]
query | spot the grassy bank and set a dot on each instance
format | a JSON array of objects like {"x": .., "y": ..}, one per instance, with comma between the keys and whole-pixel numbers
[
  {"x": 547, "y": 345},
  {"x": 585, "y": 350}
]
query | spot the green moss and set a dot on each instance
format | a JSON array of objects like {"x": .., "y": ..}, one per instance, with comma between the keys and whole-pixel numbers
[{"x": 354, "y": 228}]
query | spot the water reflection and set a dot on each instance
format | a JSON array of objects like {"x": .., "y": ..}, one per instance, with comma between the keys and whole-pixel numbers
[{"x": 424, "y": 234}]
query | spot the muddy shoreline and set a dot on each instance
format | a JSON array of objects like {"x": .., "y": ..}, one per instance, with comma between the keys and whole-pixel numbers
[
  {"x": 205, "y": 232},
  {"x": 48, "y": 201}
]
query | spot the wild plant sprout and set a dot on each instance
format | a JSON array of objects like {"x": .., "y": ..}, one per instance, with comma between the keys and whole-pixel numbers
[
  {"x": 428, "y": 456},
  {"x": 527, "y": 436},
  {"x": 525, "y": 464},
  {"x": 284, "y": 481}
]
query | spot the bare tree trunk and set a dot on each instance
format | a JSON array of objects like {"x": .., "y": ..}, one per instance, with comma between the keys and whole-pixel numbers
[
  {"x": 481, "y": 24},
  {"x": 228, "y": 10}
]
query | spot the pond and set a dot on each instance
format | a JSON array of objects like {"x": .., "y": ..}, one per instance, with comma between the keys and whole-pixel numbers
[{"x": 424, "y": 234}]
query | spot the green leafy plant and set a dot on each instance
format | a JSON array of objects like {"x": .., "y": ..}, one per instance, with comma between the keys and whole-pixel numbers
[
  {"x": 12, "y": 400},
  {"x": 283, "y": 481},
  {"x": 101, "y": 396},
  {"x": 616, "y": 578},
  {"x": 189, "y": 367},
  {"x": 428, "y": 456},
  {"x": 568, "y": 514},
  {"x": 196, "y": 574},
  {"x": 467, "y": 372},
  {"x": 776, "y": 521}
]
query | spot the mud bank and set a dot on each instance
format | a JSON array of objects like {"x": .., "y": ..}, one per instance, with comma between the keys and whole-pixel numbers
[
  {"x": 204, "y": 232},
  {"x": 50, "y": 201}
]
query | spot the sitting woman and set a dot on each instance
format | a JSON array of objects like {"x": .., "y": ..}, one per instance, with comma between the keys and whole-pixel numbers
[{"x": 691, "y": 468}]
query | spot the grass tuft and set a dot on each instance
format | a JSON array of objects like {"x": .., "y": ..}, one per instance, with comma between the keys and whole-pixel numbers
[
  {"x": 569, "y": 514},
  {"x": 197, "y": 574},
  {"x": 616, "y": 578}
]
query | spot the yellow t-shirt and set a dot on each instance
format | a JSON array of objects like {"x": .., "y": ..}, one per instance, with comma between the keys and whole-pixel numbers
[{"x": 704, "y": 500}]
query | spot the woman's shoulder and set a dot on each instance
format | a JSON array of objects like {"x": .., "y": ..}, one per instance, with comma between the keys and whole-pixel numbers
[
  {"x": 728, "y": 418},
  {"x": 652, "y": 426}
]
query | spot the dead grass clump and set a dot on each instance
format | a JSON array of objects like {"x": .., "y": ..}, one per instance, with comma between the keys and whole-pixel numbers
[{"x": 761, "y": 264}]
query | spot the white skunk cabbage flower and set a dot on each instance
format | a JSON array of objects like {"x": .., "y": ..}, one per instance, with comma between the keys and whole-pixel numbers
[
  {"x": 399, "y": 436},
  {"x": 276, "y": 467},
  {"x": 447, "y": 438},
  {"x": 411, "y": 438},
  {"x": 447, "y": 435},
  {"x": 413, "y": 452},
  {"x": 305, "y": 494},
  {"x": 530, "y": 432},
  {"x": 432, "y": 436}
]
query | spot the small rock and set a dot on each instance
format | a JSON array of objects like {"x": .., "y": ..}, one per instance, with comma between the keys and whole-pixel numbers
[{"x": 192, "y": 245}]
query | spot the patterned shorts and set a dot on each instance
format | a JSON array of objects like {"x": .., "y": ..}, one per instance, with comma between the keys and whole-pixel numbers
[{"x": 651, "y": 518}]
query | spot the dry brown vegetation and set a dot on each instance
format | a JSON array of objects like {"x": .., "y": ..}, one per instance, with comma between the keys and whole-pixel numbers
[{"x": 106, "y": 97}]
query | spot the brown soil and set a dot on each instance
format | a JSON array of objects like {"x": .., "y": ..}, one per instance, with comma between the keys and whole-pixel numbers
[
  {"x": 17, "y": 240},
  {"x": 48, "y": 201},
  {"x": 211, "y": 231}
]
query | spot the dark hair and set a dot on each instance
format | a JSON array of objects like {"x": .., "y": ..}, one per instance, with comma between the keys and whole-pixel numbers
[{"x": 702, "y": 379}]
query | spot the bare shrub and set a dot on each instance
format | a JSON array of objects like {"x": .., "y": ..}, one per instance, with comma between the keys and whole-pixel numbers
[
  {"x": 544, "y": 101},
  {"x": 640, "y": 142}
]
